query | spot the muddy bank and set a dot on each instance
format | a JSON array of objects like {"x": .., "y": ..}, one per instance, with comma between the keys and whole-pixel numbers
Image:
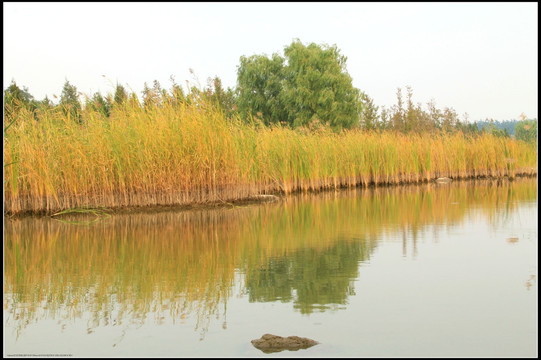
[
  {"x": 210, "y": 202},
  {"x": 127, "y": 209}
]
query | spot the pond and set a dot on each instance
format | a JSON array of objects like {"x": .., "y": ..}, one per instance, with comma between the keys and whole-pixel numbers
[{"x": 438, "y": 269}]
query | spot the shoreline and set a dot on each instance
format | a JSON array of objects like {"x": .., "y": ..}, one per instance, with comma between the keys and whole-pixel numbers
[{"x": 267, "y": 197}]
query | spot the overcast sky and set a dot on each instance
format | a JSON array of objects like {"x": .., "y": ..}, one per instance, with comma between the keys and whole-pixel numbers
[{"x": 478, "y": 58}]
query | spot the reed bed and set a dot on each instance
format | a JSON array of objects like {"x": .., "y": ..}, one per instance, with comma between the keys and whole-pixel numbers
[{"x": 177, "y": 154}]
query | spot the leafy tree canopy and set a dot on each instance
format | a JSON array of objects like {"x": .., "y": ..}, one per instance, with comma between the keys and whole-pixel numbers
[
  {"x": 259, "y": 86},
  {"x": 17, "y": 96},
  {"x": 121, "y": 95},
  {"x": 16, "y": 99},
  {"x": 526, "y": 130},
  {"x": 309, "y": 84}
]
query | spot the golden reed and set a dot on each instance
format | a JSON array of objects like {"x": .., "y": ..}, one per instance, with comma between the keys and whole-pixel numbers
[{"x": 179, "y": 154}]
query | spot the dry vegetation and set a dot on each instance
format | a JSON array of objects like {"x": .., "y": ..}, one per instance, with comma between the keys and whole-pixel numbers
[{"x": 182, "y": 153}]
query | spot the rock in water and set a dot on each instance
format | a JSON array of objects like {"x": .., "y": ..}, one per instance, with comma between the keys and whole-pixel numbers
[{"x": 269, "y": 343}]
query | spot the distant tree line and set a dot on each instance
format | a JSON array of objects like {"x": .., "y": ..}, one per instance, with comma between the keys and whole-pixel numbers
[
  {"x": 507, "y": 126},
  {"x": 525, "y": 129},
  {"x": 308, "y": 87}
]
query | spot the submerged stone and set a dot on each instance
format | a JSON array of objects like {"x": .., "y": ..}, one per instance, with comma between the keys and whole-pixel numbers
[{"x": 269, "y": 343}]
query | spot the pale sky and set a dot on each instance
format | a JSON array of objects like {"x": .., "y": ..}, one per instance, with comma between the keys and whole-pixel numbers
[{"x": 478, "y": 58}]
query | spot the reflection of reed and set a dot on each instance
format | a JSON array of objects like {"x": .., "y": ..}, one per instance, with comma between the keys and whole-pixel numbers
[
  {"x": 530, "y": 282},
  {"x": 143, "y": 263},
  {"x": 144, "y": 267}
]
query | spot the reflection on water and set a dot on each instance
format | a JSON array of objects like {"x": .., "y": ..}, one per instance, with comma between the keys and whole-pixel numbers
[
  {"x": 317, "y": 278},
  {"x": 305, "y": 250},
  {"x": 530, "y": 281}
]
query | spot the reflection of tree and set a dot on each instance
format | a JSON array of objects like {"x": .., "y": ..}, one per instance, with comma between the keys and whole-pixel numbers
[
  {"x": 319, "y": 277},
  {"x": 270, "y": 283}
]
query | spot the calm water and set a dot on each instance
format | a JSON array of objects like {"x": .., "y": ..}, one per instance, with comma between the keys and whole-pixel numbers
[{"x": 431, "y": 270}]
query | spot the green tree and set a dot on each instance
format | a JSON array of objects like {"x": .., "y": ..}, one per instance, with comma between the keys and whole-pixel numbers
[
  {"x": 434, "y": 114},
  {"x": 309, "y": 84},
  {"x": 369, "y": 113},
  {"x": 17, "y": 95},
  {"x": 16, "y": 99},
  {"x": 449, "y": 119},
  {"x": 407, "y": 117},
  {"x": 99, "y": 104},
  {"x": 259, "y": 87},
  {"x": 45, "y": 104},
  {"x": 526, "y": 130},
  {"x": 69, "y": 101},
  {"x": 178, "y": 94},
  {"x": 318, "y": 87},
  {"x": 413, "y": 114},
  {"x": 195, "y": 96},
  {"x": 219, "y": 97},
  {"x": 398, "y": 118},
  {"x": 491, "y": 128},
  {"x": 468, "y": 128},
  {"x": 385, "y": 118},
  {"x": 121, "y": 95}
]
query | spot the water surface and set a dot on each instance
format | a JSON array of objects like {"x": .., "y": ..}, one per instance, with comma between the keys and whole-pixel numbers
[{"x": 427, "y": 270}]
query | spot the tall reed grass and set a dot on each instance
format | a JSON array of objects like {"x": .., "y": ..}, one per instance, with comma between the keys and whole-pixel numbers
[{"x": 191, "y": 153}]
